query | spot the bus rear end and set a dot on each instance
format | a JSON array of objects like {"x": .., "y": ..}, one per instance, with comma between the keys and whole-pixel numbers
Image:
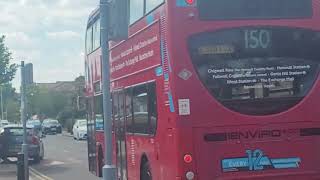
[{"x": 247, "y": 88}]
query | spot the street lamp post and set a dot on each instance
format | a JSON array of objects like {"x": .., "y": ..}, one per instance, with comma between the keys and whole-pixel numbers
[
  {"x": 23, "y": 121},
  {"x": 1, "y": 104},
  {"x": 109, "y": 170}
]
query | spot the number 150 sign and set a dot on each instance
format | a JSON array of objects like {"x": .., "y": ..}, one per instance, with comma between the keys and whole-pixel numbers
[{"x": 257, "y": 39}]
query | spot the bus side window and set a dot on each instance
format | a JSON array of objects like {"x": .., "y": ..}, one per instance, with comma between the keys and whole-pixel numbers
[
  {"x": 115, "y": 108},
  {"x": 128, "y": 106},
  {"x": 98, "y": 111},
  {"x": 136, "y": 10},
  {"x": 89, "y": 45},
  {"x": 96, "y": 35},
  {"x": 152, "y": 4},
  {"x": 152, "y": 109},
  {"x": 140, "y": 109}
]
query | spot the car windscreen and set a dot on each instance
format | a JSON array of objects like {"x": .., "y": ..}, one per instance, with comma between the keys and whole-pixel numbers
[
  {"x": 83, "y": 123},
  {"x": 257, "y": 70},
  {"x": 51, "y": 122},
  {"x": 34, "y": 122},
  {"x": 16, "y": 131}
]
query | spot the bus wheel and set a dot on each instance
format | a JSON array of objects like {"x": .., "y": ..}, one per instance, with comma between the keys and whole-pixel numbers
[
  {"x": 100, "y": 161},
  {"x": 145, "y": 173}
]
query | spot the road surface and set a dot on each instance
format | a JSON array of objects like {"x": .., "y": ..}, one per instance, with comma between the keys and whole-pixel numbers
[{"x": 64, "y": 159}]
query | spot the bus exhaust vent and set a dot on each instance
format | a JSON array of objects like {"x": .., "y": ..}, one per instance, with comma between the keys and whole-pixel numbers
[
  {"x": 310, "y": 132},
  {"x": 215, "y": 137}
]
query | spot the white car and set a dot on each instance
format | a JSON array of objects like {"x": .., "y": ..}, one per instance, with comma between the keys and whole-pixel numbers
[
  {"x": 80, "y": 129},
  {"x": 4, "y": 122}
]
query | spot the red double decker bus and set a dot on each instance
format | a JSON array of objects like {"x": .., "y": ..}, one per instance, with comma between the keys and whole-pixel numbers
[{"x": 211, "y": 90}]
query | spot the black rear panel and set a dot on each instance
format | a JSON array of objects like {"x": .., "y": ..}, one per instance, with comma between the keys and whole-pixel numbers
[{"x": 254, "y": 9}]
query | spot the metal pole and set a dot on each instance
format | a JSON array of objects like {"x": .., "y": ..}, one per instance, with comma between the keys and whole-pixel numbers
[
  {"x": 23, "y": 121},
  {"x": 109, "y": 170},
  {"x": 1, "y": 104},
  {"x": 6, "y": 112}
]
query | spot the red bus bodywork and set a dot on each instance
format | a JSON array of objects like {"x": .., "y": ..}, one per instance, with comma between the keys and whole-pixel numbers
[{"x": 191, "y": 121}]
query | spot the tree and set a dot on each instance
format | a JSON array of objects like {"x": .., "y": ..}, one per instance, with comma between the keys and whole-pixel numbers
[
  {"x": 7, "y": 70},
  {"x": 7, "y": 73},
  {"x": 13, "y": 110}
]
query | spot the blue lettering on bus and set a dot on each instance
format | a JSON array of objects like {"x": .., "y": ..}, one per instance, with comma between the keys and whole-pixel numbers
[
  {"x": 257, "y": 161},
  {"x": 159, "y": 71},
  {"x": 150, "y": 18}
]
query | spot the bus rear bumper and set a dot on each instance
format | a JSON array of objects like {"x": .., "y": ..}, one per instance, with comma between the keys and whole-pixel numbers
[{"x": 307, "y": 175}]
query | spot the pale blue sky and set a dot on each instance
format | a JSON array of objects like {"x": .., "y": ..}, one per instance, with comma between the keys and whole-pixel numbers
[{"x": 48, "y": 33}]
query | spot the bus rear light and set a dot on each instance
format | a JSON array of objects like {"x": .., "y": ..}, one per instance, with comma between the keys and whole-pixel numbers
[
  {"x": 190, "y": 175},
  {"x": 187, "y": 158},
  {"x": 190, "y": 2}
]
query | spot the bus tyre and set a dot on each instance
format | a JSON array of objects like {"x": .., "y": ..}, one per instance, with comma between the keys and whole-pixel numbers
[
  {"x": 145, "y": 173},
  {"x": 100, "y": 162}
]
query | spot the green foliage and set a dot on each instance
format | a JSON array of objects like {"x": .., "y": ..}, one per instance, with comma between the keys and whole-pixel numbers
[
  {"x": 43, "y": 101},
  {"x": 56, "y": 104},
  {"x": 7, "y": 70},
  {"x": 13, "y": 110},
  {"x": 7, "y": 73}
]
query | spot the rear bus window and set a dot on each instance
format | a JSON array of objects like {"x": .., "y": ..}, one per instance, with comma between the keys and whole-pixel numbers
[{"x": 257, "y": 70}]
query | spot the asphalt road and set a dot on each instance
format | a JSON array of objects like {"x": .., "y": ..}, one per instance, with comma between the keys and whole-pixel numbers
[{"x": 64, "y": 159}]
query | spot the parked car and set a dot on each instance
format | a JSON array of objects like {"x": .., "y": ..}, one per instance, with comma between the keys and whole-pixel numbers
[
  {"x": 36, "y": 125},
  {"x": 4, "y": 123},
  {"x": 80, "y": 129},
  {"x": 11, "y": 139},
  {"x": 50, "y": 126}
]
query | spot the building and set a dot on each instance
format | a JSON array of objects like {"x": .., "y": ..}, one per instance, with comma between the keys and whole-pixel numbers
[{"x": 28, "y": 73}]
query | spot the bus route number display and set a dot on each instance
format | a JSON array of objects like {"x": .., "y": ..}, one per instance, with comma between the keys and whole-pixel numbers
[{"x": 257, "y": 39}]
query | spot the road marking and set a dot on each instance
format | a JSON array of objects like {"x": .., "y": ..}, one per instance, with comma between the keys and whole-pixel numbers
[
  {"x": 39, "y": 175},
  {"x": 54, "y": 163},
  {"x": 35, "y": 176}
]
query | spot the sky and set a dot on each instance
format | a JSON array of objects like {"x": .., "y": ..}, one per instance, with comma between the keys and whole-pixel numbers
[{"x": 48, "y": 33}]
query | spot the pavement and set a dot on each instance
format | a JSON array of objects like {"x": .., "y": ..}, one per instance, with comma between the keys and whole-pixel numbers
[{"x": 65, "y": 159}]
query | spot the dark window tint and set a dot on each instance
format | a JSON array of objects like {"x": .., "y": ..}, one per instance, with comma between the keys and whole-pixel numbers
[
  {"x": 115, "y": 107},
  {"x": 257, "y": 70},
  {"x": 16, "y": 131},
  {"x": 152, "y": 98},
  {"x": 128, "y": 107},
  {"x": 254, "y": 9},
  {"x": 98, "y": 112},
  {"x": 140, "y": 109},
  {"x": 121, "y": 106}
]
